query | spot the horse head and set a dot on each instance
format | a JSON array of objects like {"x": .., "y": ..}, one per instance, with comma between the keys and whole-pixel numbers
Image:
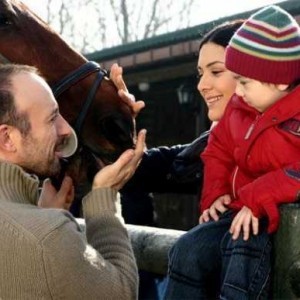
[{"x": 105, "y": 126}]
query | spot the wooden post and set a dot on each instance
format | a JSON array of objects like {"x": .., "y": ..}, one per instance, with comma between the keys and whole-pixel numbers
[{"x": 286, "y": 273}]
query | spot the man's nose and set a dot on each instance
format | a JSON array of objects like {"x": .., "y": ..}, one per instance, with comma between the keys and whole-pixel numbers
[{"x": 63, "y": 127}]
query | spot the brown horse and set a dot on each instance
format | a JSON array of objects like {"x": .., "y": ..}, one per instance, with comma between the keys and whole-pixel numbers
[{"x": 87, "y": 99}]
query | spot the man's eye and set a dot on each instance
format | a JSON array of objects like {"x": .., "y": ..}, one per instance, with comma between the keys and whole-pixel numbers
[
  {"x": 53, "y": 119},
  {"x": 216, "y": 72}
]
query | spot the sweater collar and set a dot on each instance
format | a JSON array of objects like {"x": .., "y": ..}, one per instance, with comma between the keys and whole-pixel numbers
[{"x": 16, "y": 185}]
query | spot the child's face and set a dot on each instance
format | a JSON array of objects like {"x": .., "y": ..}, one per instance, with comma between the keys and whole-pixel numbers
[{"x": 257, "y": 94}]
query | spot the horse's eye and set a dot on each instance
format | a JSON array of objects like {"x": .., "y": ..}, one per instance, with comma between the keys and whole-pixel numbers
[{"x": 4, "y": 21}]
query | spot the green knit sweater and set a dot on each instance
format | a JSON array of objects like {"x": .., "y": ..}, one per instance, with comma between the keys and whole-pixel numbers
[{"x": 45, "y": 255}]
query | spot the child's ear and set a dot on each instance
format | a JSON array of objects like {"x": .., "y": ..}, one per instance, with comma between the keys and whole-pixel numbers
[
  {"x": 282, "y": 87},
  {"x": 6, "y": 141}
]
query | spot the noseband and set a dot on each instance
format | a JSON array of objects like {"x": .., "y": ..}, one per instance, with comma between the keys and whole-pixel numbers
[{"x": 82, "y": 72}]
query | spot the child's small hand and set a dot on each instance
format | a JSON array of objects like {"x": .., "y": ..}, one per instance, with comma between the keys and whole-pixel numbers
[
  {"x": 219, "y": 206},
  {"x": 244, "y": 220}
]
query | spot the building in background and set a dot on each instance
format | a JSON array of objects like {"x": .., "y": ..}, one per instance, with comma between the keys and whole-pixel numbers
[{"x": 162, "y": 72}]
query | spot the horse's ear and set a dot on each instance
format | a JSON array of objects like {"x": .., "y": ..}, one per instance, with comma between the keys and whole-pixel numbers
[{"x": 7, "y": 138}]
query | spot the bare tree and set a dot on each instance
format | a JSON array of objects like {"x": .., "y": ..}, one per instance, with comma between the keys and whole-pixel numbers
[{"x": 91, "y": 25}]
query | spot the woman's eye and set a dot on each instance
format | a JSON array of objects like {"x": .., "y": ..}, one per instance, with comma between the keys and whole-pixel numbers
[{"x": 199, "y": 76}]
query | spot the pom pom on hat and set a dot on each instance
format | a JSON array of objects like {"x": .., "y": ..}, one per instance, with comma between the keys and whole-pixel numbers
[{"x": 266, "y": 47}]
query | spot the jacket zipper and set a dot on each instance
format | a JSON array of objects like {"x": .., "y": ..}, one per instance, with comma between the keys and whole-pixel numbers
[
  {"x": 251, "y": 127},
  {"x": 247, "y": 136},
  {"x": 233, "y": 182}
]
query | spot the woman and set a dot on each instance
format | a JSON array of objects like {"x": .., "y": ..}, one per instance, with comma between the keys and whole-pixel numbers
[{"x": 179, "y": 169}]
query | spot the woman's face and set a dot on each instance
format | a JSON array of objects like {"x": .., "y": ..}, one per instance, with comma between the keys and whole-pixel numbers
[{"x": 216, "y": 83}]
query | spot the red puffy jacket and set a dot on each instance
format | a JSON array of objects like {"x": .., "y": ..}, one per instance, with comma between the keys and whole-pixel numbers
[{"x": 255, "y": 157}]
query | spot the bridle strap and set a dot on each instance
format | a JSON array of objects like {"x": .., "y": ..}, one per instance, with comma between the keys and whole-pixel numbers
[
  {"x": 75, "y": 76},
  {"x": 88, "y": 101},
  {"x": 71, "y": 79}
]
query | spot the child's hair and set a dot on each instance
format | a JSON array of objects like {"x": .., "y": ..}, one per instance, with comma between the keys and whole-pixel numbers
[
  {"x": 293, "y": 85},
  {"x": 221, "y": 34}
]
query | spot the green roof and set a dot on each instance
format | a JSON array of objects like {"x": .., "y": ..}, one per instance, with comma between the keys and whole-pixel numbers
[{"x": 191, "y": 33}]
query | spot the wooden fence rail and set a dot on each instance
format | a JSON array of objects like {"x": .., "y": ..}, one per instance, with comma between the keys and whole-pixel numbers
[{"x": 151, "y": 246}]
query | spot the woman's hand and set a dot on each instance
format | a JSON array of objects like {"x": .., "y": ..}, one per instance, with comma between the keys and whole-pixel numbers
[
  {"x": 116, "y": 75},
  {"x": 117, "y": 174},
  {"x": 51, "y": 198},
  {"x": 219, "y": 206},
  {"x": 244, "y": 221}
]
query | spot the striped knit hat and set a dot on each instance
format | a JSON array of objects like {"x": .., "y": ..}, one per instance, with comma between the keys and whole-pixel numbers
[{"x": 266, "y": 47}]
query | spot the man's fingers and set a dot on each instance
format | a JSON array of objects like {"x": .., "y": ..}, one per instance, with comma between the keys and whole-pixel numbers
[
  {"x": 124, "y": 159},
  {"x": 47, "y": 195},
  {"x": 128, "y": 170},
  {"x": 111, "y": 175},
  {"x": 48, "y": 188},
  {"x": 46, "y": 184},
  {"x": 67, "y": 182},
  {"x": 141, "y": 141},
  {"x": 69, "y": 189},
  {"x": 66, "y": 186},
  {"x": 139, "y": 147},
  {"x": 118, "y": 173}
]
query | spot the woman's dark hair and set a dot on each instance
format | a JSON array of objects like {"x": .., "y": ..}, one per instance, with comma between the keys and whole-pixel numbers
[{"x": 221, "y": 34}]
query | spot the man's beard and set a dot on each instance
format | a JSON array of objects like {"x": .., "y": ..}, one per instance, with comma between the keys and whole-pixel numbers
[
  {"x": 38, "y": 161},
  {"x": 46, "y": 169}
]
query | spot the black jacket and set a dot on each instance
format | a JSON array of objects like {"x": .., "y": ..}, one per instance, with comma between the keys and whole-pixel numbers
[{"x": 176, "y": 169}]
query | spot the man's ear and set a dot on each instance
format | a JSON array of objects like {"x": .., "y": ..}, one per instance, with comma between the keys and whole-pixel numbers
[
  {"x": 282, "y": 87},
  {"x": 6, "y": 141}
]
